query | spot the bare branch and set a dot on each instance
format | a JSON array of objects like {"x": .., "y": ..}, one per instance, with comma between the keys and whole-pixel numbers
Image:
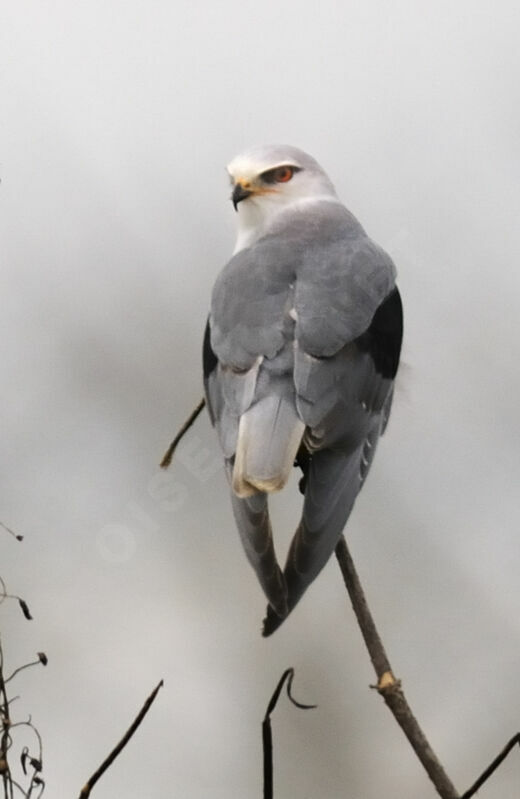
[
  {"x": 167, "y": 459},
  {"x": 267, "y": 736},
  {"x": 491, "y": 768},
  {"x": 388, "y": 686},
  {"x": 85, "y": 791},
  {"x": 3, "y": 590}
]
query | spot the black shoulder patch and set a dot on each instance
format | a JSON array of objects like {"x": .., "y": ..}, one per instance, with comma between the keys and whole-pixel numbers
[
  {"x": 384, "y": 336},
  {"x": 209, "y": 359}
]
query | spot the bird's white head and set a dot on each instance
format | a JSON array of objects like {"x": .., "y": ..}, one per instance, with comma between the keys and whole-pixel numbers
[{"x": 269, "y": 180}]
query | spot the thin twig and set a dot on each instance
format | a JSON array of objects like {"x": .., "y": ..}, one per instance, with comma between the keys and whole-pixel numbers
[
  {"x": 21, "y": 668},
  {"x": 85, "y": 791},
  {"x": 267, "y": 736},
  {"x": 5, "y": 737},
  {"x": 167, "y": 459},
  {"x": 11, "y": 532},
  {"x": 491, "y": 768},
  {"x": 388, "y": 686}
]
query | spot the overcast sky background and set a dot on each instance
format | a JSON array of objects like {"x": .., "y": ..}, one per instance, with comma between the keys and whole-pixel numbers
[{"x": 117, "y": 120}]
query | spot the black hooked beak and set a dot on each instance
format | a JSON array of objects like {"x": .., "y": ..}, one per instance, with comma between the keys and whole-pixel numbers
[{"x": 239, "y": 194}]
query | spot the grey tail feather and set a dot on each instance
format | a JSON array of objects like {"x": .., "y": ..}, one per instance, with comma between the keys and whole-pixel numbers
[
  {"x": 269, "y": 435},
  {"x": 252, "y": 519},
  {"x": 333, "y": 483}
]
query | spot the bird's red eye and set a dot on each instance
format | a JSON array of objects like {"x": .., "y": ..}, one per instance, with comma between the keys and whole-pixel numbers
[
  {"x": 280, "y": 174},
  {"x": 283, "y": 174}
]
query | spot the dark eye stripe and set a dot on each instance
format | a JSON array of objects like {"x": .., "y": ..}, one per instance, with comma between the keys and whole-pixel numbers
[{"x": 269, "y": 176}]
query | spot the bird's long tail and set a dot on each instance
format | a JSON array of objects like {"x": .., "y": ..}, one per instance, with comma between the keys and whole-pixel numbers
[
  {"x": 333, "y": 482},
  {"x": 252, "y": 519},
  {"x": 269, "y": 435}
]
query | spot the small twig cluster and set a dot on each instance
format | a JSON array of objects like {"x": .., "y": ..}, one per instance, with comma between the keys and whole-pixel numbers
[
  {"x": 31, "y": 764},
  {"x": 31, "y": 761}
]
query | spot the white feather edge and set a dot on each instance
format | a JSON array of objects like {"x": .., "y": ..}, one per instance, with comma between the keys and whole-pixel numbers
[{"x": 244, "y": 482}]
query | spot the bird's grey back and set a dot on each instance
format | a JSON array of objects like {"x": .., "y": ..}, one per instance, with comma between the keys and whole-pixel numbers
[{"x": 316, "y": 257}]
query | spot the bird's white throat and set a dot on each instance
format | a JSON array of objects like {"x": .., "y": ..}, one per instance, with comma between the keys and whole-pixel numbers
[{"x": 255, "y": 218}]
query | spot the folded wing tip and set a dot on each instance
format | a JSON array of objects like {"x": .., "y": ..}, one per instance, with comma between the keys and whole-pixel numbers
[{"x": 272, "y": 621}]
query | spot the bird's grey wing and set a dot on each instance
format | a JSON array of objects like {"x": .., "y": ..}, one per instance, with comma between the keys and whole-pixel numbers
[
  {"x": 251, "y": 397},
  {"x": 340, "y": 285},
  {"x": 251, "y": 513},
  {"x": 345, "y": 400}
]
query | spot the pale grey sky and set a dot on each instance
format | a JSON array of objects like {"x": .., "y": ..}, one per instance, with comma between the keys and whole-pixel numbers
[{"x": 117, "y": 121}]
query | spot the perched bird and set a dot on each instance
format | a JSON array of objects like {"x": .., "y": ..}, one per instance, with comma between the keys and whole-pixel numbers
[{"x": 300, "y": 354}]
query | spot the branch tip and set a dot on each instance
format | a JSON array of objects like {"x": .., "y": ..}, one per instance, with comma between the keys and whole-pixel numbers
[{"x": 168, "y": 455}]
